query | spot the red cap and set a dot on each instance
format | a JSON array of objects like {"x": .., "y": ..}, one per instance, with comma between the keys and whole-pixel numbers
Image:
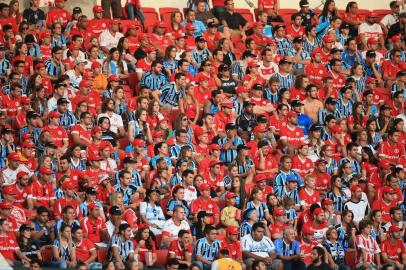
[
  {"x": 387, "y": 189},
  {"x": 113, "y": 78},
  {"x": 355, "y": 188},
  {"x": 138, "y": 142},
  {"x": 291, "y": 114},
  {"x": 105, "y": 144},
  {"x": 253, "y": 63},
  {"x": 201, "y": 77},
  {"x": 372, "y": 40},
  {"x": 4, "y": 205},
  {"x": 190, "y": 27},
  {"x": 227, "y": 104},
  {"x": 103, "y": 177},
  {"x": 97, "y": 9},
  {"x": 13, "y": 156},
  {"x": 259, "y": 129},
  {"x": 21, "y": 174},
  {"x": 96, "y": 129},
  {"x": 56, "y": 1},
  {"x": 44, "y": 34},
  {"x": 393, "y": 229},
  {"x": 260, "y": 177},
  {"x": 242, "y": 89},
  {"x": 26, "y": 136},
  {"x": 11, "y": 190},
  {"x": 257, "y": 24},
  {"x": 25, "y": 100},
  {"x": 321, "y": 161},
  {"x": 199, "y": 132},
  {"x": 68, "y": 185},
  {"x": 73, "y": 47},
  {"x": 94, "y": 157},
  {"x": 231, "y": 195},
  {"x": 54, "y": 114},
  {"x": 317, "y": 50},
  {"x": 164, "y": 119},
  {"x": 114, "y": 21},
  {"x": 84, "y": 83},
  {"x": 327, "y": 202},
  {"x": 178, "y": 35},
  {"x": 96, "y": 64},
  {"x": 214, "y": 146},
  {"x": 328, "y": 39},
  {"x": 92, "y": 206},
  {"x": 318, "y": 211},
  {"x": 303, "y": 143},
  {"x": 278, "y": 212},
  {"x": 370, "y": 80},
  {"x": 204, "y": 186},
  {"x": 27, "y": 144},
  {"x": 384, "y": 164},
  {"x": 308, "y": 229},
  {"x": 336, "y": 129},
  {"x": 157, "y": 134},
  {"x": 39, "y": 66},
  {"x": 215, "y": 162},
  {"x": 160, "y": 24},
  {"x": 232, "y": 230},
  {"x": 150, "y": 49},
  {"x": 45, "y": 170},
  {"x": 396, "y": 38},
  {"x": 372, "y": 14}
]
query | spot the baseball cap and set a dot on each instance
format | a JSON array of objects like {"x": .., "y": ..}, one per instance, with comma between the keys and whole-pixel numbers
[
  {"x": 396, "y": 38},
  {"x": 224, "y": 67},
  {"x": 10, "y": 190},
  {"x": 318, "y": 211},
  {"x": 54, "y": 114},
  {"x": 62, "y": 101},
  {"x": 355, "y": 188},
  {"x": 115, "y": 211},
  {"x": 94, "y": 157},
  {"x": 231, "y": 195},
  {"x": 4, "y": 205},
  {"x": 253, "y": 63},
  {"x": 204, "y": 186},
  {"x": 331, "y": 100},
  {"x": 284, "y": 61},
  {"x": 370, "y": 53},
  {"x": 96, "y": 64},
  {"x": 113, "y": 78},
  {"x": 247, "y": 103},
  {"x": 296, "y": 103},
  {"x": 259, "y": 129},
  {"x": 370, "y": 80},
  {"x": 372, "y": 14},
  {"x": 68, "y": 185},
  {"x": 336, "y": 129},
  {"x": 13, "y": 156},
  {"x": 335, "y": 50},
  {"x": 327, "y": 202},
  {"x": 315, "y": 51},
  {"x": 297, "y": 40},
  {"x": 91, "y": 190},
  {"x": 21, "y": 174},
  {"x": 230, "y": 126},
  {"x": 128, "y": 160},
  {"x": 232, "y": 230},
  {"x": 45, "y": 170},
  {"x": 76, "y": 10},
  {"x": 242, "y": 89},
  {"x": 97, "y": 9},
  {"x": 292, "y": 178},
  {"x": 321, "y": 160},
  {"x": 103, "y": 177},
  {"x": 212, "y": 25},
  {"x": 138, "y": 142},
  {"x": 160, "y": 24},
  {"x": 387, "y": 189},
  {"x": 258, "y": 87},
  {"x": 178, "y": 35},
  {"x": 105, "y": 144},
  {"x": 215, "y": 162},
  {"x": 84, "y": 83},
  {"x": 96, "y": 129},
  {"x": 260, "y": 177},
  {"x": 92, "y": 206},
  {"x": 394, "y": 228},
  {"x": 27, "y": 144},
  {"x": 372, "y": 40},
  {"x": 202, "y": 214},
  {"x": 315, "y": 127},
  {"x": 278, "y": 212},
  {"x": 328, "y": 39},
  {"x": 200, "y": 39},
  {"x": 304, "y": 3},
  {"x": 277, "y": 27},
  {"x": 291, "y": 114},
  {"x": 308, "y": 229}
]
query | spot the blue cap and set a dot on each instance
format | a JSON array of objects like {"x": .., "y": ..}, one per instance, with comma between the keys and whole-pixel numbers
[{"x": 292, "y": 178}]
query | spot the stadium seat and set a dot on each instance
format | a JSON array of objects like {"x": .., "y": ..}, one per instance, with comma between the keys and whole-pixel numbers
[
  {"x": 164, "y": 202},
  {"x": 162, "y": 256},
  {"x": 363, "y": 12},
  {"x": 158, "y": 239},
  {"x": 256, "y": 12},
  {"x": 246, "y": 13},
  {"x": 101, "y": 254},
  {"x": 166, "y": 13},
  {"x": 381, "y": 13},
  {"x": 341, "y": 13},
  {"x": 46, "y": 253},
  {"x": 289, "y": 11},
  {"x": 151, "y": 16},
  {"x": 350, "y": 257}
]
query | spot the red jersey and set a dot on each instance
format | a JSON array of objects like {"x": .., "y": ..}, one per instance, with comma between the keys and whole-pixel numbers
[
  {"x": 394, "y": 251},
  {"x": 93, "y": 101},
  {"x": 8, "y": 245},
  {"x": 94, "y": 175},
  {"x": 21, "y": 195},
  {"x": 297, "y": 94},
  {"x": 75, "y": 175},
  {"x": 319, "y": 231},
  {"x": 370, "y": 246},
  {"x": 306, "y": 250},
  {"x": 83, "y": 249},
  {"x": 220, "y": 120},
  {"x": 84, "y": 134},
  {"x": 130, "y": 217},
  {"x": 175, "y": 248},
  {"x": 315, "y": 72},
  {"x": 93, "y": 148},
  {"x": 278, "y": 124},
  {"x": 43, "y": 194},
  {"x": 46, "y": 52},
  {"x": 60, "y": 203},
  {"x": 323, "y": 182},
  {"x": 337, "y": 149},
  {"x": 234, "y": 249},
  {"x": 277, "y": 228},
  {"x": 28, "y": 62},
  {"x": 309, "y": 199},
  {"x": 257, "y": 80},
  {"x": 268, "y": 4},
  {"x": 143, "y": 66},
  {"x": 391, "y": 152},
  {"x": 325, "y": 57},
  {"x": 398, "y": 194},
  {"x": 212, "y": 41},
  {"x": 46, "y": 82},
  {"x": 58, "y": 15},
  {"x": 293, "y": 136},
  {"x": 390, "y": 70},
  {"x": 338, "y": 80},
  {"x": 205, "y": 205},
  {"x": 96, "y": 27},
  {"x": 10, "y": 105},
  {"x": 85, "y": 33},
  {"x": 133, "y": 44},
  {"x": 58, "y": 134},
  {"x": 292, "y": 31},
  {"x": 302, "y": 167},
  {"x": 143, "y": 250},
  {"x": 384, "y": 207},
  {"x": 93, "y": 228},
  {"x": 162, "y": 41},
  {"x": 270, "y": 163},
  {"x": 104, "y": 194}
]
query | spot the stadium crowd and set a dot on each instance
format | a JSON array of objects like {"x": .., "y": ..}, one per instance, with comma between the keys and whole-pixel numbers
[{"x": 205, "y": 140}]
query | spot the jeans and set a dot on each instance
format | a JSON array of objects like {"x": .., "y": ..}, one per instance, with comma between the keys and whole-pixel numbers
[
  {"x": 294, "y": 265},
  {"x": 58, "y": 264},
  {"x": 132, "y": 11},
  {"x": 203, "y": 266},
  {"x": 113, "y": 4}
]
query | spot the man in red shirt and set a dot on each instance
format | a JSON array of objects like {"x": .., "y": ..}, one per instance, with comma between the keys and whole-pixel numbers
[
  {"x": 280, "y": 222},
  {"x": 260, "y": 40},
  {"x": 27, "y": 156},
  {"x": 336, "y": 75},
  {"x": 319, "y": 225},
  {"x": 316, "y": 70},
  {"x": 10, "y": 103},
  {"x": 308, "y": 195},
  {"x": 182, "y": 248},
  {"x": 390, "y": 149},
  {"x": 386, "y": 203},
  {"x": 23, "y": 191},
  {"x": 232, "y": 244},
  {"x": 94, "y": 228},
  {"x": 80, "y": 134},
  {"x": 91, "y": 97},
  {"x": 97, "y": 25},
  {"x": 323, "y": 179},
  {"x": 59, "y": 14},
  {"x": 42, "y": 190},
  {"x": 295, "y": 29},
  {"x": 393, "y": 250},
  {"x": 264, "y": 161},
  {"x": 9, "y": 248},
  {"x": 58, "y": 133},
  {"x": 392, "y": 66},
  {"x": 69, "y": 198},
  {"x": 85, "y": 249},
  {"x": 144, "y": 64},
  {"x": 291, "y": 136},
  {"x": 337, "y": 142},
  {"x": 325, "y": 51},
  {"x": 223, "y": 117},
  {"x": 158, "y": 39},
  {"x": 307, "y": 244},
  {"x": 205, "y": 203}
]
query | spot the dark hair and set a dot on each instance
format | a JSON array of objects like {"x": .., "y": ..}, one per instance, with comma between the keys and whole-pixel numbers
[
  {"x": 320, "y": 252},
  {"x": 208, "y": 229},
  {"x": 42, "y": 209},
  {"x": 363, "y": 224},
  {"x": 324, "y": 12},
  {"x": 182, "y": 233},
  {"x": 393, "y": 209},
  {"x": 187, "y": 172},
  {"x": 151, "y": 237},
  {"x": 172, "y": 261},
  {"x": 257, "y": 225}
]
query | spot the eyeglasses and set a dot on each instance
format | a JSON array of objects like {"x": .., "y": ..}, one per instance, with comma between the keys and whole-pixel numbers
[
  {"x": 397, "y": 55},
  {"x": 25, "y": 28},
  {"x": 207, "y": 65},
  {"x": 184, "y": 119},
  {"x": 20, "y": 66}
]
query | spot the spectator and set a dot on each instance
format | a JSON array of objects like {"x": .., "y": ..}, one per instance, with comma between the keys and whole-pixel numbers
[
  {"x": 368, "y": 247},
  {"x": 121, "y": 247},
  {"x": 318, "y": 258},
  {"x": 207, "y": 248},
  {"x": 393, "y": 250}
]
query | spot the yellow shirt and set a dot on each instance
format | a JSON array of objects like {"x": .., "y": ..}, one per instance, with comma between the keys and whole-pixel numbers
[
  {"x": 228, "y": 215},
  {"x": 227, "y": 264}
]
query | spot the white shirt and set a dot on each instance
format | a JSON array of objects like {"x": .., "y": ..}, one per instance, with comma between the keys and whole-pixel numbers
[
  {"x": 190, "y": 194},
  {"x": 73, "y": 79},
  {"x": 109, "y": 41},
  {"x": 172, "y": 230},
  {"x": 109, "y": 166},
  {"x": 260, "y": 248},
  {"x": 52, "y": 104},
  {"x": 115, "y": 121},
  {"x": 389, "y": 20},
  {"x": 370, "y": 31},
  {"x": 359, "y": 209},
  {"x": 8, "y": 176}
]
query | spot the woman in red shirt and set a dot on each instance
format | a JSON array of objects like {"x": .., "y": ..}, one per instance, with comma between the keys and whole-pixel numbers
[
  {"x": 189, "y": 105},
  {"x": 175, "y": 26},
  {"x": 352, "y": 17},
  {"x": 21, "y": 52},
  {"x": 145, "y": 246}
]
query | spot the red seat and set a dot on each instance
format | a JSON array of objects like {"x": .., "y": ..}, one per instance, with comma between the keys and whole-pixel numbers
[
  {"x": 46, "y": 253},
  {"x": 125, "y": 24},
  {"x": 166, "y": 13},
  {"x": 350, "y": 259},
  {"x": 341, "y": 13},
  {"x": 246, "y": 13},
  {"x": 133, "y": 82},
  {"x": 101, "y": 255},
  {"x": 158, "y": 239},
  {"x": 363, "y": 12},
  {"x": 381, "y": 13},
  {"x": 287, "y": 11},
  {"x": 162, "y": 256},
  {"x": 164, "y": 202},
  {"x": 151, "y": 16}
]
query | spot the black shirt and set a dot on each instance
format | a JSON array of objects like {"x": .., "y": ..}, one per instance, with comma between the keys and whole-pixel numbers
[
  {"x": 323, "y": 266},
  {"x": 228, "y": 85},
  {"x": 395, "y": 29},
  {"x": 234, "y": 21},
  {"x": 33, "y": 16}
]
